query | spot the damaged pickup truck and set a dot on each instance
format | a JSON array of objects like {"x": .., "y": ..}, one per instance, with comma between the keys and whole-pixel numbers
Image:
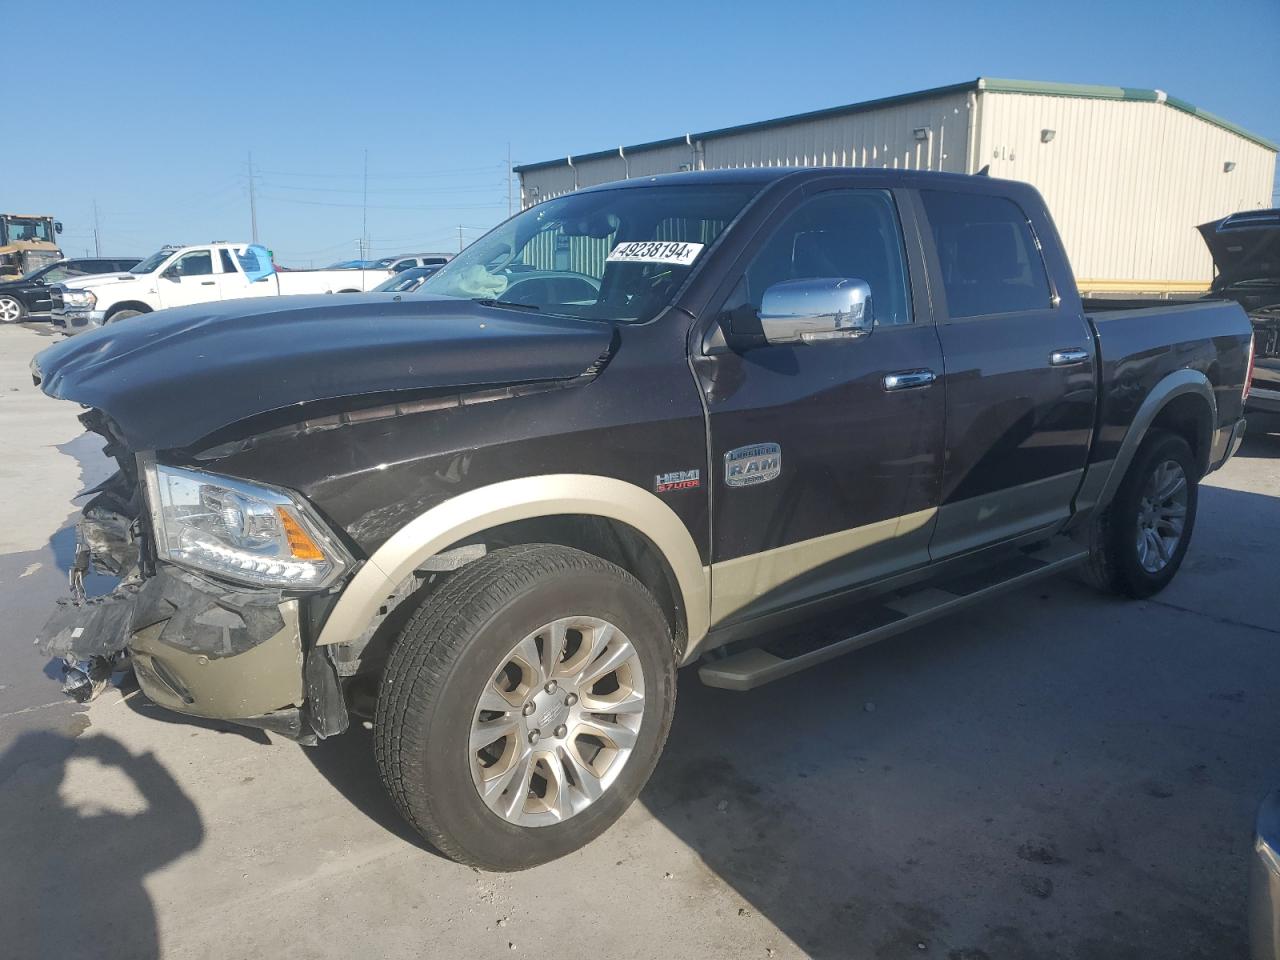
[{"x": 749, "y": 420}]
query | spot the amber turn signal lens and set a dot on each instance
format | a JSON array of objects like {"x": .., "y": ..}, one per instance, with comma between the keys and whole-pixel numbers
[{"x": 300, "y": 543}]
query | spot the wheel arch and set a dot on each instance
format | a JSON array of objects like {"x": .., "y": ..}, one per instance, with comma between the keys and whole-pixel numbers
[
  {"x": 128, "y": 305},
  {"x": 611, "y": 518},
  {"x": 1183, "y": 403}
]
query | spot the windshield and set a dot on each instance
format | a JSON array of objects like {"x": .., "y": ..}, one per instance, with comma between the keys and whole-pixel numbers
[
  {"x": 601, "y": 255},
  {"x": 152, "y": 262},
  {"x": 27, "y": 229},
  {"x": 38, "y": 272}
]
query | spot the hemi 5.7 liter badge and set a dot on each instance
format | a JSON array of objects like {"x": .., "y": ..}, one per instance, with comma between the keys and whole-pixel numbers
[
  {"x": 677, "y": 480},
  {"x": 747, "y": 466}
]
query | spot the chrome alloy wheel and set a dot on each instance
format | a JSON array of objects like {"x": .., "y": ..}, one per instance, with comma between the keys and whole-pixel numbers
[
  {"x": 10, "y": 310},
  {"x": 557, "y": 722},
  {"x": 1162, "y": 513}
]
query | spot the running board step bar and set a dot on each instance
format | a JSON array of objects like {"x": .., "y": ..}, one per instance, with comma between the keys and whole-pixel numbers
[{"x": 891, "y": 614}]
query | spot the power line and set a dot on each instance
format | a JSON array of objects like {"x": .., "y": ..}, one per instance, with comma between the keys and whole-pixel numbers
[
  {"x": 397, "y": 206},
  {"x": 487, "y": 188},
  {"x": 459, "y": 171}
]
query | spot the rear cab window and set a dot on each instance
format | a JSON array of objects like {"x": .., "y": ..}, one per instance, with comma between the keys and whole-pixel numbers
[{"x": 988, "y": 254}]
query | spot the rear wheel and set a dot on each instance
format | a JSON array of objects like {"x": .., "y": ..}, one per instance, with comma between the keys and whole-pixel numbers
[
  {"x": 525, "y": 705},
  {"x": 12, "y": 310},
  {"x": 1140, "y": 541}
]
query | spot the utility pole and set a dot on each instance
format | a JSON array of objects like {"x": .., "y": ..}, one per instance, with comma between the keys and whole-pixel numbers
[
  {"x": 97, "y": 243},
  {"x": 364, "y": 215},
  {"x": 508, "y": 178},
  {"x": 459, "y": 238},
  {"x": 253, "y": 203}
]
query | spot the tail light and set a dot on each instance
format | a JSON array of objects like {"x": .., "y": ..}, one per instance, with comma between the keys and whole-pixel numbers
[{"x": 1248, "y": 372}]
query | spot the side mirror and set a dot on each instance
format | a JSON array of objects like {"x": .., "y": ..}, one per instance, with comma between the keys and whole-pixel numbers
[
  {"x": 171, "y": 273},
  {"x": 57, "y": 226},
  {"x": 804, "y": 311}
]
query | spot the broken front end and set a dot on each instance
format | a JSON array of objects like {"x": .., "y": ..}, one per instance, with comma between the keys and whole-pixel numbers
[{"x": 220, "y": 582}]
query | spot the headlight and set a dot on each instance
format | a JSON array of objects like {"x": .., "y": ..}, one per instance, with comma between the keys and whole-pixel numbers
[
  {"x": 79, "y": 299},
  {"x": 242, "y": 531}
]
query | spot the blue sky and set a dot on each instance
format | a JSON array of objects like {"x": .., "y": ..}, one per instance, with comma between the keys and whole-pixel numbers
[{"x": 153, "y": 109}]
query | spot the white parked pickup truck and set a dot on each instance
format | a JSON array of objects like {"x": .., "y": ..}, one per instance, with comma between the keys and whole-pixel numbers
[{"x": 181, "y": 276}]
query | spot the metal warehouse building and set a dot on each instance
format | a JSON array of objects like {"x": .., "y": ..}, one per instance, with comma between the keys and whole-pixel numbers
[{"x": 1127, "y": 173}]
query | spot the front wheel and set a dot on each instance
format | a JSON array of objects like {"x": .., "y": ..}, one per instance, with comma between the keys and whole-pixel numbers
[
  {"x": 1140, "y": 541},
  {"x": 12, "y": 309},
  {"x": 525, "y": 705},
  {"x": 122, "y": 315}
]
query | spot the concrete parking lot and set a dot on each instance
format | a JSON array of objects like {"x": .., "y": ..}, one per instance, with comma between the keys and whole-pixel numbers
[{"x": 1056, "y": 775}]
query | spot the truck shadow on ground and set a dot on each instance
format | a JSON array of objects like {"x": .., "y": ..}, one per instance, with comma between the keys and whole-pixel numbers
[
  {"x": 72, "y": 878},
  {"x": 1059, "y": 774}
]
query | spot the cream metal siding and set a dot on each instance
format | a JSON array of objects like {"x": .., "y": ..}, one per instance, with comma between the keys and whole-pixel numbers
[
  {"x": 1127, "y": 181},
  {"x": 1128, "y": 173},
  {"x": 882, "y": 137}
]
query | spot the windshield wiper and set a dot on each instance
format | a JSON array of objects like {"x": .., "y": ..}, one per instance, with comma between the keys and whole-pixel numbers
[{"x": 491, "y": 302}]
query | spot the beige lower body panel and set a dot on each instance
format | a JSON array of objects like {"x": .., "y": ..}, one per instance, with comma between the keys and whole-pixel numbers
[
  {"x": 1003, "y": 515},
  {"x": 880, "y": 549},
  {"x": 263, "y": 679}
]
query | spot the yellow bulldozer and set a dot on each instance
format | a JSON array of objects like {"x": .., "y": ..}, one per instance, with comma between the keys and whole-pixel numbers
[{"x": 27, "y": 243}]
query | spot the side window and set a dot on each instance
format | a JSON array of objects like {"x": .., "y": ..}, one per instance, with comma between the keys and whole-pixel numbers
[
  {"x": 402, "y": 266},
  {"x": 846, "y": 234},
  {"x": 198, "y": 263},
  {"x": 227, "y": 265},
  {"x": 58, "y": 274},
  {"x": 988, "y": 254}
]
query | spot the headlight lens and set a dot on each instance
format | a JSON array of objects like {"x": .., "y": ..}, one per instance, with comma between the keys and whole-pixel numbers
[
  {"x": 80, "y": 299},
  {"x": 253, "y": 534}
]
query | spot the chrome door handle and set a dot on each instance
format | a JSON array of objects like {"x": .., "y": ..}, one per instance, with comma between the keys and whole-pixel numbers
[
  {"x": 906, "y": 379},
  {"x": 1067, "y": 357}
]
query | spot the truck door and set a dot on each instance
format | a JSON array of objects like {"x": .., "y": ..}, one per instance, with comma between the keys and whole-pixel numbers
[
  {"x": 823, "y": 475},
  {"x": 232, "y": 283},
  {"x": 188, "y": 279},
  {"x": 1019, "y": 373}
]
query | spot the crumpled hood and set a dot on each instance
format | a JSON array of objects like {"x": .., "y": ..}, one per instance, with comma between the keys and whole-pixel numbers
[
  {"x": 172, "y": 378},
  {"x": 1244, "y": 246}
]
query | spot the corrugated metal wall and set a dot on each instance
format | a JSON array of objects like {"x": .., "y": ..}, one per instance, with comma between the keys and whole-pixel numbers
[
  {"x": 1126, "y": 181},
  {"x": 872, "y": 138}
]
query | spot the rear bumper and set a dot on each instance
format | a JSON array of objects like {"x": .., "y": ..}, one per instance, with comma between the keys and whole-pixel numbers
[
  {"x": 1264, "y": 883},
  {"x": 1226, "y": 441},
  {"x": 1263, "y": 400}
]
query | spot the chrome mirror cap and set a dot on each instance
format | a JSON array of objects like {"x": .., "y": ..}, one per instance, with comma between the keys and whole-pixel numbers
[{"x": 826, "y": 308}]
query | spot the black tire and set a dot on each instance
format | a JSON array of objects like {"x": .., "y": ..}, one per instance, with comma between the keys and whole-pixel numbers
[
  {"x": 449, "y": 651},
  {"x": 11, "y": 303},
  {"x": 1114, "y": 564},
  {"x": 122, "y": 315}
]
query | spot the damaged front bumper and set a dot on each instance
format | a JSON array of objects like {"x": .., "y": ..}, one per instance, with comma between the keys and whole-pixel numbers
[{"x": 203, "y": 648}]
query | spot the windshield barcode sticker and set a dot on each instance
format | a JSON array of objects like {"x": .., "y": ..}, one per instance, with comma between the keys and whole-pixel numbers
[{"x": 655, "y": 251}]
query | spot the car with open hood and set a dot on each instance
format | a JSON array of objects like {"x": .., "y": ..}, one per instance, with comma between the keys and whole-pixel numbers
[
  {"x": 1246, "y": 258},
  {"x": 743, "y": 421}
]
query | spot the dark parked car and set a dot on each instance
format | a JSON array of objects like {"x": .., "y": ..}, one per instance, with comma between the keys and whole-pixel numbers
[
  {"x": 1246, "y": 254},
  {"x": 750, "y": 420},
  {"x": 28, "y": 298}
]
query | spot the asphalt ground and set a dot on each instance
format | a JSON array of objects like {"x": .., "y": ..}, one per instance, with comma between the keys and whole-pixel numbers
[{"x": 1058, "y": 774}]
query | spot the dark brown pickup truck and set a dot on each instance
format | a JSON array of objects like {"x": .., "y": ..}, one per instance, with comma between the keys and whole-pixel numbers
[{"x": 748, "y": 420}]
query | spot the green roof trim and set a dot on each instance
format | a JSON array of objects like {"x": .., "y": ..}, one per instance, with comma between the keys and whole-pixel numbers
[
  {"x": 981, "y": 84},
  {"x": 1046, "y": 89}
]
